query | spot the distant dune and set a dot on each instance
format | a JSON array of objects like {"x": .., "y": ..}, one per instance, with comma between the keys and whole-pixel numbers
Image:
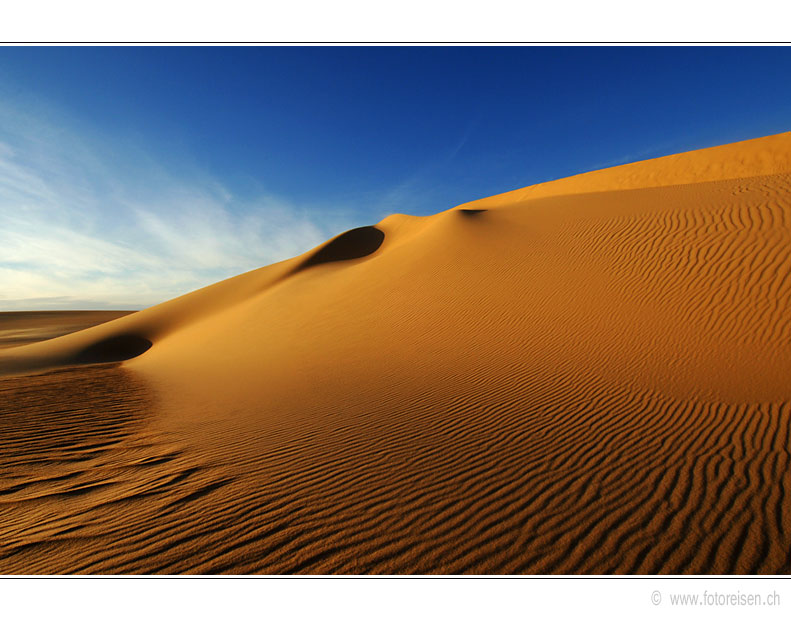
[
  {"x": 18, "y": 328},
  {"x": 589, "y": 375}
]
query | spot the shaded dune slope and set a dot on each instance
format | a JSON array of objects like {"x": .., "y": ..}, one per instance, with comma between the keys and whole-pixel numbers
[
  {"x": 588, "y": 375},
  {"x": 352, "y": 244}
]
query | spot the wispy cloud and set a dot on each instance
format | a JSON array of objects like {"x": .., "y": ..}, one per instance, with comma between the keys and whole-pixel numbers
[
  {"x": 89, "y": 221},
  {"x": 419, "y": 192}
]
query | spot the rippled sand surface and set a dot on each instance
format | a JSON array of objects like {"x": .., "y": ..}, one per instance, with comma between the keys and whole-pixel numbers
[{"x": 584, "y": 376}]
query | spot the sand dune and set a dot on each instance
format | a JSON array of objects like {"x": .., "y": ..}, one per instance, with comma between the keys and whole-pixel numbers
[{"x": 584, "y": 376}]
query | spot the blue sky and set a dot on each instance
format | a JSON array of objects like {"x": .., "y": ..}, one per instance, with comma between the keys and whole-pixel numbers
[{"x": 129, "y": 176}]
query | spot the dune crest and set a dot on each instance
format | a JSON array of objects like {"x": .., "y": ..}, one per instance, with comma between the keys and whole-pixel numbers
[
  {"x": 588, "y": 375},
  {"x": 750, "y": 158}
]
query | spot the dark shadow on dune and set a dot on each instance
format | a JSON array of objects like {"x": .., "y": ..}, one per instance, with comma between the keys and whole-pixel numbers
[
  {"x": 118, "y": 348},
  {"x": 353, "y": 244},
  {"x": 471, "y": 212}
]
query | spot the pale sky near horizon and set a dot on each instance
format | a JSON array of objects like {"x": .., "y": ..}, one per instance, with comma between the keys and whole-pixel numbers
[{"x": 129, "y": 176}]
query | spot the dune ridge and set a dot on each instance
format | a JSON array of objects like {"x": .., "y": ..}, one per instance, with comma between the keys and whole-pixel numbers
[
  {"x": 583, "y": 376},
  {"x": 748, "y": 158}
]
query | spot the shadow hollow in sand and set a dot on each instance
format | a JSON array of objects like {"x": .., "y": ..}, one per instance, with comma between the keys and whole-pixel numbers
[
  {"x": 117, "y": 348},
  {"x": 352, "y": 244}
]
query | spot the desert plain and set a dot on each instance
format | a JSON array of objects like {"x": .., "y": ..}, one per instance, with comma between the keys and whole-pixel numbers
[{"x": 588, "y": 375}]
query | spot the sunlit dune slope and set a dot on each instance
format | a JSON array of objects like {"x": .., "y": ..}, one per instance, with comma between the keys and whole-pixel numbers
[{"x": 587, "y": 375}]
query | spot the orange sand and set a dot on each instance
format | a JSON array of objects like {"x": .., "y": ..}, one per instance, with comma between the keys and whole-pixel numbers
[{"x": 588, "y": 375}]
